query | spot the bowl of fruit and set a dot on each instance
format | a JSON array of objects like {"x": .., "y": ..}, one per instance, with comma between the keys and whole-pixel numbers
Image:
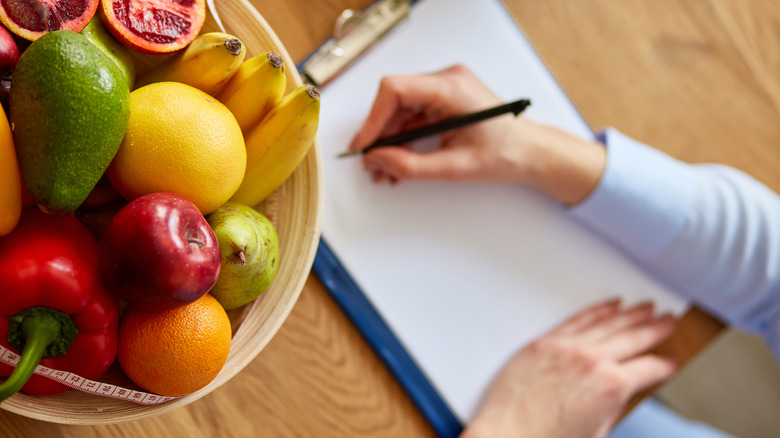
[{"x": 160, "y": 204}]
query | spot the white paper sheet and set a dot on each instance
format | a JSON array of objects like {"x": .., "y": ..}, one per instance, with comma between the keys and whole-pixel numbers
[{"x": 464, "y": 274}]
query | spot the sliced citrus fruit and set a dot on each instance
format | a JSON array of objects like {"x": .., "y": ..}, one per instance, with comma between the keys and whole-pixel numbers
[
  {"x": 31, "y": 19},
  {"x": 154, "y": 26}
]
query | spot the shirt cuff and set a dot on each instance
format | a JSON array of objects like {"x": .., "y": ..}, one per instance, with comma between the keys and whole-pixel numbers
[{"x": 643, "y": 198}]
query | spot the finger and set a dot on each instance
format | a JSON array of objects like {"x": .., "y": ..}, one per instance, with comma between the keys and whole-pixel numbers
[
  {"x": 639, "y": 338},
  {"x": 647, "y": 371},
  {"x": 403, "y": 120},
  {"x": 419, "y": 119},
  {"x": 396, "y": 94},
  {"x": 606, "y": 327},
  {"x": 378, "y": 176},
  {"x": 585, "y": 317},
  {"x": 441, "y": 164}
]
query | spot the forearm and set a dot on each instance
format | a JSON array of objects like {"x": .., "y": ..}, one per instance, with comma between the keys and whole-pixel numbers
[{"x": 711, "y": 233}]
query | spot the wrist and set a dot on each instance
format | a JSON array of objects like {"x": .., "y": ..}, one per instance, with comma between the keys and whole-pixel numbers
[
  {"x": 501, "y": 426},
  {"x": 560, "y": 165},
  {"x": 480, "y": 428}
]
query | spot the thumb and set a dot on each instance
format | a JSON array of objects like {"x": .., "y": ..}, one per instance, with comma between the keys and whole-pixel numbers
[
  {"x": 402, "y": 163},
  {"x": 395, "y": 95}
]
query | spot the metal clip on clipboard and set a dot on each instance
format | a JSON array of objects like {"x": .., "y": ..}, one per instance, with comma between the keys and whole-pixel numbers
[{"x": 353, "y": 34}]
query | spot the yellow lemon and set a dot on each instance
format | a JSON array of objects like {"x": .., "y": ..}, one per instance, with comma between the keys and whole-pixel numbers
[{"x": 179, "y": 140}]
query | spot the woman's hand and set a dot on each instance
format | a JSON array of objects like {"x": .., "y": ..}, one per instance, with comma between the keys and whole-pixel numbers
[
  {"x": 575, "y": 381},
  {"x": 502, "y": 149}
]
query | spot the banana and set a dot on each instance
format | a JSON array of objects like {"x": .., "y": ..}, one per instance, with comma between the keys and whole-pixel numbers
[
  {"x": 257, "y": 86},
  {"x": 276, "y": 146},
  {"x": 207, "y": 63}
]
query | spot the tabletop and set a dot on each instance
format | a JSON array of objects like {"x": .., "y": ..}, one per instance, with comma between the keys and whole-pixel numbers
[{"x": 694, "y": 78}]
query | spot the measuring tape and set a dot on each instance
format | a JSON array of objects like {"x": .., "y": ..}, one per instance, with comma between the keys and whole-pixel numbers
[{"x": 79, "y": 383}]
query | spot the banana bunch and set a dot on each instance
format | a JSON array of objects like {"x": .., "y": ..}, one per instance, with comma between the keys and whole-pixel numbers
[
  {"x": 278, "y": 128},
  {"x": 277, "y": 145},
  {"x": 255, "y": 89},
  {"x": 207, "y": 63}
]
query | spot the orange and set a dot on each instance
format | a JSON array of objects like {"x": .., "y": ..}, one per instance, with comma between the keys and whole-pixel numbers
[
  {"x": 179, "y": 140},
  {"x": 177, "y": 351}
]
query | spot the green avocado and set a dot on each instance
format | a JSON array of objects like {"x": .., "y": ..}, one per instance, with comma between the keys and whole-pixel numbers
[{"x": 69, "y": 106}]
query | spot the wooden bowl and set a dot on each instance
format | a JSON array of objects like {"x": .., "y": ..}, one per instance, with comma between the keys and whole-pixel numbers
[{"x": 295, "y": 209}]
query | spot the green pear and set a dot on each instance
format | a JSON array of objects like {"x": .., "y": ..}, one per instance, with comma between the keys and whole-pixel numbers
[
  {"x": 97, "y": 33},
  {"x": 250, "y": 254}
]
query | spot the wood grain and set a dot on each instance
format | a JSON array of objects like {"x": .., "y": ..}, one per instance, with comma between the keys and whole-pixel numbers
[{"x": 695, "y": 78}]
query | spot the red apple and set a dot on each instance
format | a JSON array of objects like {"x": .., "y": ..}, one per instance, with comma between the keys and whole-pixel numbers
[
  {"x": 159, "y": 252},
  {"x": 9, "y": 51}
]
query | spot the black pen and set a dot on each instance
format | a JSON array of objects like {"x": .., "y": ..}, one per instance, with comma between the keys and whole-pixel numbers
[{"x": 515, "y": 107}]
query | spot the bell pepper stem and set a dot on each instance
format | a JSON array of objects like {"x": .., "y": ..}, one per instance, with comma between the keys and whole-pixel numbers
[{"x": 40, "y": 331}]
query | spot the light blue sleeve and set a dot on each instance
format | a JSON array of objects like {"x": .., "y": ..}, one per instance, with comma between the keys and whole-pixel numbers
[{"x": 710, "y": 232}]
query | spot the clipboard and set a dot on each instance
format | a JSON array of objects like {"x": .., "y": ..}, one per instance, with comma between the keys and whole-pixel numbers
[
  {"x": 356, "y": 262},
  {"x": 353, "y": 34}
]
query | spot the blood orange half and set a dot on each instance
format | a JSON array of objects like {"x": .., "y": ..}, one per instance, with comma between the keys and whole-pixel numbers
[
  {"x": 154, "y": 26},
  {"x": 31, "y": 19}
]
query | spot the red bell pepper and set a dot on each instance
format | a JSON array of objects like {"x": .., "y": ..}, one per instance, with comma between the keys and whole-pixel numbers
[{"x": 53, "y": 303}]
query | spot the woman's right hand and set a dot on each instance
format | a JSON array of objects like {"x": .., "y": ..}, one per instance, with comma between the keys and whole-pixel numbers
[{"x": 499, "y": 150}]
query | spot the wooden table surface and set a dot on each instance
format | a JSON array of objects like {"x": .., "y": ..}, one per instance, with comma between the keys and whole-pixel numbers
[{"x": 699, "y": 79}]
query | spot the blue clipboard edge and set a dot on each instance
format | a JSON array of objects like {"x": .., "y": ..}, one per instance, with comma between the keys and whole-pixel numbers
[{"x": 371, "y": 325}]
